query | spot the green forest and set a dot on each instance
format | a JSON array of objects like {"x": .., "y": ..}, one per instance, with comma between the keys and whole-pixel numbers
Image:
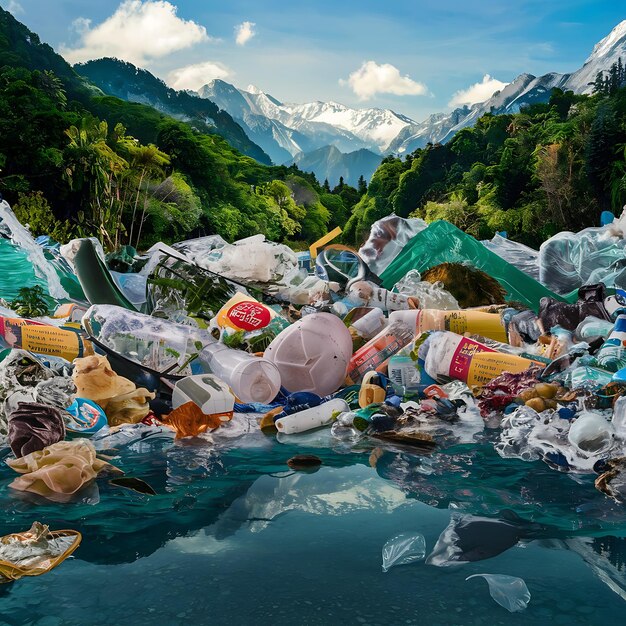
[
  {"x": 77, "y": 162},
  {"x": 553, "y": 166}
]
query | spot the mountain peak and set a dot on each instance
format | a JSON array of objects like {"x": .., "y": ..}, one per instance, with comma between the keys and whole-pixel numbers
[
  {"x": 253, "y": 89},
  {"x": 607, "y": 45}
]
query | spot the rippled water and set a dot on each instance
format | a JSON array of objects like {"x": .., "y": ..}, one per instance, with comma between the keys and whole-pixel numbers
[
  {"x": 235, "y": 537},
  {"x": 17, "y": 271}
]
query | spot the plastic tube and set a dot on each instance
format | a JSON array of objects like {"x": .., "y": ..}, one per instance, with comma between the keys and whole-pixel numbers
[{"x": 311, "y": 418}]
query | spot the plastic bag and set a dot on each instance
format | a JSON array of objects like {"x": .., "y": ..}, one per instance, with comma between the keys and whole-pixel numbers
[
  {"x": 508, "y": 591},
  {"x": 569, "y": 260},
  {"x": 442, "y": 242},
  {"x": 403, "y": 549},
  {"x": 387, "y": 238}
]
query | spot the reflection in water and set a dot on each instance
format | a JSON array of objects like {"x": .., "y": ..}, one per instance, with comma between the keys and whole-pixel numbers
[{"x": 210, "y": 491}]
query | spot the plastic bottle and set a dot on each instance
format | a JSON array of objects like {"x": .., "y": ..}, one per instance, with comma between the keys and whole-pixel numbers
[
  {"x": 612, "y": 354},
  {"x": 450, "y": 356},
  {"x": 403, "y": 374},
  {"x": 182, "y": 350},
  {"x": 474, "y": 322},
  {"x": 375, "y": 353},
  {"x": 253, "y": 379},
  {"x": 311, "y": 418}
]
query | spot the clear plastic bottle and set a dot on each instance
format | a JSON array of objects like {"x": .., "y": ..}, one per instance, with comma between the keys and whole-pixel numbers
[
  {"x": 376, "y": 352},
  {"x": 183, "y": 350},
  {"x": 612, "y": 354}
]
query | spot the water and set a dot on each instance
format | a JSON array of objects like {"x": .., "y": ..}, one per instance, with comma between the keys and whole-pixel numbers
[
  {"x": 45, "y": 271},
  {"x": 18, "y": 271},
  {"x": 235, "y": 537}
]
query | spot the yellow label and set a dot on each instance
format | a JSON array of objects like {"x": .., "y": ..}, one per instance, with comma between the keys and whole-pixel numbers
[
  {"x": 485, "y": 366},
  {"x": 476, "y": 323},
  {"x": 44, "y": 339}
]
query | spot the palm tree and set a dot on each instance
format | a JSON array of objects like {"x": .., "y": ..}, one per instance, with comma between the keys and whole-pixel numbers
[{"x": 92, "y": 168}]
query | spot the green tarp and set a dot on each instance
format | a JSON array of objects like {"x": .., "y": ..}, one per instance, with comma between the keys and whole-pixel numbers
[{"x": 442, "y": 242}]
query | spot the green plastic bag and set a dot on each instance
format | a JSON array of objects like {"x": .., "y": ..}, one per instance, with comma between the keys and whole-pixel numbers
[{"x": 442, "y": 242}]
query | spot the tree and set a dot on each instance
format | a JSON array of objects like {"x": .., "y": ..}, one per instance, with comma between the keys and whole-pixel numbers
[
  {"x": 362, "y": 186},
  {"x": 326, "y": 186},
  {"x": 598, "y": 84}
]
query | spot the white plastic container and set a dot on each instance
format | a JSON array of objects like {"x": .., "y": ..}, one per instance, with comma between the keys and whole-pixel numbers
[
  {"x": 591, "y": 434},
  {"x": 312, "y": 354},
  {"x": 252, "y": 378},
  {"x": 311, "y": 418}
]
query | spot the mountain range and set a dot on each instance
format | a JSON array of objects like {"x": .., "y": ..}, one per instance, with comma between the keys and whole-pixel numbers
[
  {"x": 125, "y": 81},
  {"x": 329, "y": 138}
]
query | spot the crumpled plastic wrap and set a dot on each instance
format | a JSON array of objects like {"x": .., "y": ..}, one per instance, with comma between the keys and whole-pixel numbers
[
  {"x": 429, "y": 295},
  {"x": 58, "y": 471},
  {"x": 530, "y": 436},
  {"x": 569, "y": 260},
  {"x": 517, "y": 254},
  {"x": 387, "y": 238},
  {"x": 33, "y": 426},
  {"x": 252, "y": 260},
  {"x": 35, "y": 551}
]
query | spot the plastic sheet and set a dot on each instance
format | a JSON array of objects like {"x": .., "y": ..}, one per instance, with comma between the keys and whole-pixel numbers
[
  {"x": 530, "y": 436},
  {"x": 522, "y": 257},
  {"x": 387, "y": 238},
  {"x": 442, "y": 242},
  {"x": 35, "y": 551},
  {"x": 11, "y": 227}
]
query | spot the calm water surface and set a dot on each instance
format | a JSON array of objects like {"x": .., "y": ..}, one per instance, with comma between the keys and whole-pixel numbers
[{"x": 235, "y": 537}]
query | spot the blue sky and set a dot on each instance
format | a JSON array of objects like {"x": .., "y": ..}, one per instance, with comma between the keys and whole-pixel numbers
[{"x": 410, "y": 56}]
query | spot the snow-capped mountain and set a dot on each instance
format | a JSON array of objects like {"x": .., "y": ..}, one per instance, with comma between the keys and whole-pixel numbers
[
  {"x": 286, "y": 129},
  {"x": 525, "y": 89},
  {"x": 281, "y": 128},
  {"x": 604, "y": 54}
]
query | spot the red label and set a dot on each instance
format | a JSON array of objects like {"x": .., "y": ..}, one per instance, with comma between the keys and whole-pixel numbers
[
  {"x": 462, "y": 358},
  {"x": 249, "y": 315}
]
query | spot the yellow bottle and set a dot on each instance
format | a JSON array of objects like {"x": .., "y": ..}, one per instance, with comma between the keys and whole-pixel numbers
[{"x": 460, "y": 322}]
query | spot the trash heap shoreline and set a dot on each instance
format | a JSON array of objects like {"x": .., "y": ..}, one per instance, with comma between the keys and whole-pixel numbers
[{"x": 422, "y": 330}]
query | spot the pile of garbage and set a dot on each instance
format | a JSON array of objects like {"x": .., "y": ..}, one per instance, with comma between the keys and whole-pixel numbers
[{"x": 422, "y": 336}]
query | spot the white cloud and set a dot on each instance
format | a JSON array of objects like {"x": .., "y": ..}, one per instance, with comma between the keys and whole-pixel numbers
[
  {"x": 81, "y": 25},
  {"x": 139, "y": 30},
  {"x": 244, "y": 32},
  {"x": 478, "y": 92},
  {"x": 15, "y": 7},
  {"x": 197, "y": 75},
  {"x": 372, "y": 78}
]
